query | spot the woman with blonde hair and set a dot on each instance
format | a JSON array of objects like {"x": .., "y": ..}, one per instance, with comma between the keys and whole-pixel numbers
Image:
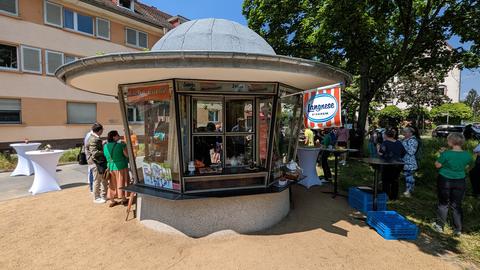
[
  {"x": 451, "y": 184},
  {"x": 115, "y": 152}
]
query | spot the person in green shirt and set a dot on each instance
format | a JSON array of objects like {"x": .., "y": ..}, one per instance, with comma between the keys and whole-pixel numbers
[
  {"x": 451, "y": 182},
  {"x": 115, "y": 152}
]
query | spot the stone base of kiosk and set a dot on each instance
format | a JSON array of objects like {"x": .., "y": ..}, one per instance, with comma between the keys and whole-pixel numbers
[{"x": 204, "y": 216}]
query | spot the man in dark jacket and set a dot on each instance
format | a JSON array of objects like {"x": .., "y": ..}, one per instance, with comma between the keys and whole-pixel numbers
[{"x": 95, "y": 159}]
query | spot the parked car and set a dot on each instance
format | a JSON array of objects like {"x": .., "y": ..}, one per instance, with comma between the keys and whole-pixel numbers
[
  {"x": 444, "y": 130},
  {"x": 472, "y": 131}
]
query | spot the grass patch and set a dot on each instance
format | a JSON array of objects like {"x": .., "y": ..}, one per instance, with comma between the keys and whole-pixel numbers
[{"x": 421, "y": 208}]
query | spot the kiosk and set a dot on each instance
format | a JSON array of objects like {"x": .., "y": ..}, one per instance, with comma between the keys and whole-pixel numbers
[{"x": 219, "y": 123}]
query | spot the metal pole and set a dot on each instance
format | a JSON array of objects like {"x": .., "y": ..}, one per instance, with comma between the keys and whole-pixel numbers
[{"x": 128, "y": 139}]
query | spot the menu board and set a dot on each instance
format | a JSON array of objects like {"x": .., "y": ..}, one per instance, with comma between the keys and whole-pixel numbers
[{"x": 158, "y": 175}]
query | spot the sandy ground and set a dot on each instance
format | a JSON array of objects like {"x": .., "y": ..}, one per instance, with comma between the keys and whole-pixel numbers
[{"x": 65, "y": 230}]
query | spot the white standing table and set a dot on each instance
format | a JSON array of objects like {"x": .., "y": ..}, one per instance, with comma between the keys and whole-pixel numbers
[
  {"x": 307, "y": 158},
  {"x": 45, "y": 165},
  {"x": 24, "y": 165}
]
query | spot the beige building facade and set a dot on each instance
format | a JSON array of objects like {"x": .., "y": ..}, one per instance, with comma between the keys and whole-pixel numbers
[{"x": 38, "y": 36}]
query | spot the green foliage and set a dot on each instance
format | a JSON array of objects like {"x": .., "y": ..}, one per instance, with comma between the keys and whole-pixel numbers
[
  {"x": 390, "y": 116},
  {"x": 70, "y": 155},
  {"x": 7, "y": 162},
  {"x": 456, "y": 112},
  {"x": 375, "y": 40}
]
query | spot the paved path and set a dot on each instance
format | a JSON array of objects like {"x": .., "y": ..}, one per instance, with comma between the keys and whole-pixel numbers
[{"x": 71, "y": 175}]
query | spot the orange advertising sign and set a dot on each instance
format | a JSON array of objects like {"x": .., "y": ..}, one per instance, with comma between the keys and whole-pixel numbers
[{"x": 151, "y": 92}]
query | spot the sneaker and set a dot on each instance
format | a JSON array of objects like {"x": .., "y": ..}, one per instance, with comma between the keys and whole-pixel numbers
[
  {"x": 99, "y": 200},
  {"x": 407, "y": 194},
  {"x": 457, "y": 233},
  {"x": 437, "y": 227}
]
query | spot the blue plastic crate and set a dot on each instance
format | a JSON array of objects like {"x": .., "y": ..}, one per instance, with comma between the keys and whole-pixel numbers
[
  {"x": 391, "y": 225},
  {"x": 363, "y": 201}
]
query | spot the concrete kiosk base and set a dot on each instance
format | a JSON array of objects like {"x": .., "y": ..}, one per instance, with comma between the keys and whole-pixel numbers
[{"x": 201, "y": 217}]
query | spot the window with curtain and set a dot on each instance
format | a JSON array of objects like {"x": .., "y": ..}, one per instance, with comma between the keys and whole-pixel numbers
[
  {"x": 31, "y": 59},
  {"x": 81, "y": 113},
  {"x": 54, "y": 60},
  {"x": 103, "y": 28},
  {"x": 53, "y": 14},
  {"x": 10, "y": 111}
]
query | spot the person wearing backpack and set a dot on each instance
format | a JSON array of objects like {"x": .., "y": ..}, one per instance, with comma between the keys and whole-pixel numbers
[
  {"x": 410, "y": 144},
  {"x": 115, "y": 152},
  {"x": 96, "y": 162}
]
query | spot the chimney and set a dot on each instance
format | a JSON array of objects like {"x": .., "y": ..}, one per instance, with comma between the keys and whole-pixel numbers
[{"x": 177, "y": 20}]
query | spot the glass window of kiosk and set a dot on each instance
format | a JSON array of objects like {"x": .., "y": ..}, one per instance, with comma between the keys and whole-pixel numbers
[
  {"x": 225, "y": 136},
  {"x": 287, "y": 129},
  {"x": 158, "y": 156}
]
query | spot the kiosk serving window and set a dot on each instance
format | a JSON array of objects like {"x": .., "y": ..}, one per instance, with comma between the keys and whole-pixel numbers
[
  {"x": 225, "y": 133},
  {"x": 158, "y": 160}
]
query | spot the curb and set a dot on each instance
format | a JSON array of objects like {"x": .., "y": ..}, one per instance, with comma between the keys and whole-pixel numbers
[{"x": 59, "y": 165}]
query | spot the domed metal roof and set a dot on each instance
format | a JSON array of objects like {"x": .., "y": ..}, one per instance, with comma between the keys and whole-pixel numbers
[{"x": 213, "y": 35}]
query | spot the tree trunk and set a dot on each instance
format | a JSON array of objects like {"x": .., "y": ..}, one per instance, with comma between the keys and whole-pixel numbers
[{"x": 365, "y": 99}]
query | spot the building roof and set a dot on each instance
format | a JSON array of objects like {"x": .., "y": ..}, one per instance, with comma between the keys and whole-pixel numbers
[
  {"x": 143, "y": 13},
  {"x": 213, "y": 35}
]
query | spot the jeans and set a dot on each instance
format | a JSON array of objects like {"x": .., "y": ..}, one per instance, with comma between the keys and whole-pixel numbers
[
  {"x": 390, "y": 174},
  {"x": 90, "y": 179},
  {"x": 409, "y": 180},
  {"x": 475, "y": 179},
  {"x": 372, "y": 150},
  {"x": 450, "y": 194}
]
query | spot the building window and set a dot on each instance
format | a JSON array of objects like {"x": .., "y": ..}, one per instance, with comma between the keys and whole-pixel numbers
[
  {"x": 213, "y": 116},
  {"x": 103, "y": 28},
  {"x": 442, "y": 90},
  {"x": 81, "y": 113},
  {"x": 69, "y": 58},
  {"x": 128, "y": 4},
  {"x": 136, "y": 38},
  {"x": 53, "y": 61},
  {"x": 31, "y": 59},
  {"x": 10, "y": 111},
  {"x": 134, "y": 114},
  {"x": 77, "y": 22},
  {"x": 8, "y": 57},
  {"x": 9, "y": 7},
  {"x": 53, "y": 14}
]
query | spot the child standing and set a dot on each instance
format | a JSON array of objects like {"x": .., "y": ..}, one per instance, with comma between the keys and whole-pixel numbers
[{"x": 451, "y": 182}]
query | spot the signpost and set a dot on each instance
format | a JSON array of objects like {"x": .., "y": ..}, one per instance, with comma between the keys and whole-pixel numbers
[{"x": 323, "y": 107}]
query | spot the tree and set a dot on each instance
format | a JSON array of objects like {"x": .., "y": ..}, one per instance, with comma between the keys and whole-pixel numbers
[
  {"x": 390, "y": 116},
  {"x": 373, "y": 39},
  {"x": 472, "y": 100},
  {"x": 418, "y": 92},
  {"x": 451, "y": 113}
]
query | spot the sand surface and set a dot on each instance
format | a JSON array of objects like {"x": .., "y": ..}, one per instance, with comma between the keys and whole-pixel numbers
[{"x": 65, "y": 230}]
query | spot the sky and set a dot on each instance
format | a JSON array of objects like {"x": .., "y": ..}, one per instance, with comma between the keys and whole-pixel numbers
[{"x": 232, "y": 10}]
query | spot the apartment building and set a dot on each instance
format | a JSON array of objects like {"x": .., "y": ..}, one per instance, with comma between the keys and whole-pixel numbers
[{"x": 38, "y": 36}]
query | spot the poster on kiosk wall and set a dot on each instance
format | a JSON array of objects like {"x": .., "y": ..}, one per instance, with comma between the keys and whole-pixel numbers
[{"x": 322, "y": 107}]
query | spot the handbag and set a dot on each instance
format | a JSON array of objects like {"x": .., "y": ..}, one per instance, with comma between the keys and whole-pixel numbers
[{"x": 106, "y": 175}]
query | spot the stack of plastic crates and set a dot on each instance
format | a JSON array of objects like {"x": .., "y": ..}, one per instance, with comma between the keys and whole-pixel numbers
[
  {"x": 363, "y": 201},
  {"x": 391, "y": 225}
]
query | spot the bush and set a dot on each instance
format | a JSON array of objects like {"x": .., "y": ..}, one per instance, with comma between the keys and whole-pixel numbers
[
  {"x": 70, "y": 155},
  {"x": 456, "y": 113},
  {"x": 390, "y": 116},
  {"x": 7, "y": 162}
]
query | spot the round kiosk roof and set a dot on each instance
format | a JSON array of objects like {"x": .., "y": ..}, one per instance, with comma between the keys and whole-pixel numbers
[{"x": 205, "y": 49}]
